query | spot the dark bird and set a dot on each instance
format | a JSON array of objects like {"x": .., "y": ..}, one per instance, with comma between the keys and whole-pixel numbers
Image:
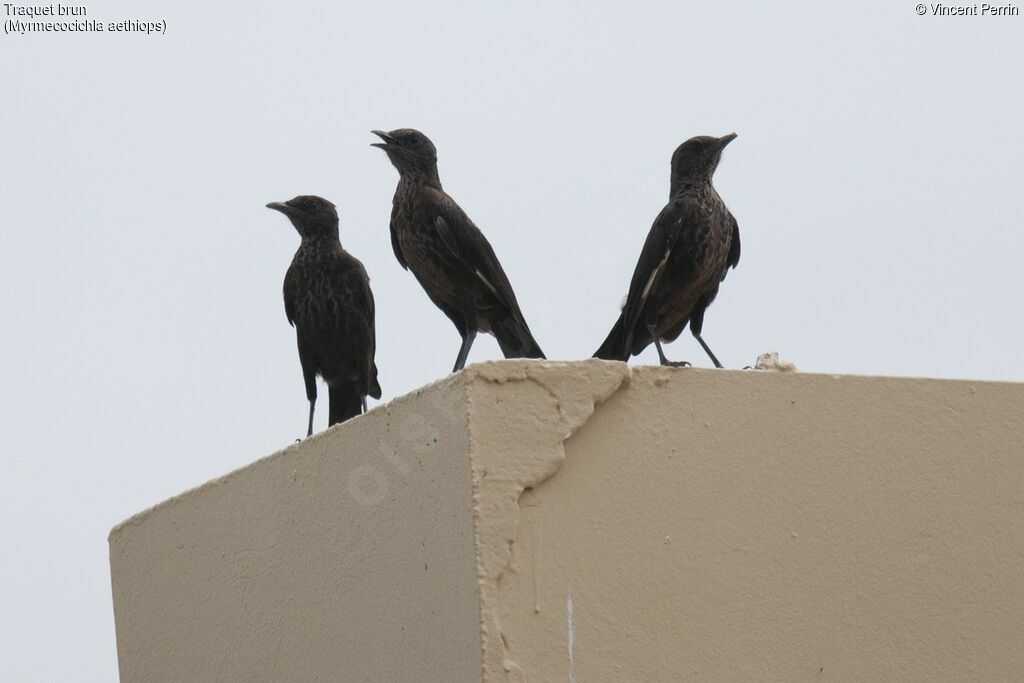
[
  {"x": 327, "y": 299},
  {"x": 690, "y": 248},
  {"x": 450, "y": 257}
]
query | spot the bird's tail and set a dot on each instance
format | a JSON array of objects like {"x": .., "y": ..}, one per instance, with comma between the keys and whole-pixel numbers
[
  {"x": 514, "y": 338},
  {"x": 346, "y": 402},
  {"x": 373, "y": 388},
  {"x": 614, "y": 346}
]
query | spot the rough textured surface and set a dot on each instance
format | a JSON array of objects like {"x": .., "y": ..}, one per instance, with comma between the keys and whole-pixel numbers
[
  {"x": 731, "y": 525},
  {"x": 520, "y": 415},
  {"x": 578, "y": 521}
]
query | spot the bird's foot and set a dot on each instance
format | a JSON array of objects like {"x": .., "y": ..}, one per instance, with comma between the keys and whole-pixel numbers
[{"x": 677, "y": 363}]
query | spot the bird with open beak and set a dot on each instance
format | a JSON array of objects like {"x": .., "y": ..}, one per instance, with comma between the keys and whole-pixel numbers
[{"x": 447, "y": 253}]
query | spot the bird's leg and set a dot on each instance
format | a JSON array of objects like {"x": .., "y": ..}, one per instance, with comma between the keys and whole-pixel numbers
[
  {"x": 467, "y": 342},
  {"x": 661, "y": 353},
  {"x": 312, "y": 404},
  {"x": 309, "y": 377},
  {"x": 708, "y": 351},
  {"x": 364, "y": 404}
]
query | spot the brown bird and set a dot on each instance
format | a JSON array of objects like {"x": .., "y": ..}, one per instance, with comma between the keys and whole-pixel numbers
[
  {"x": 689, "y": 249},
  {"x": 450, "y": 257},
  {"x": 327, "y": 299}
]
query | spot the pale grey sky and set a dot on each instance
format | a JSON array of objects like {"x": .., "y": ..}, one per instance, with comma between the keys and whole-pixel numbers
[{"x": 876, "y": 180}]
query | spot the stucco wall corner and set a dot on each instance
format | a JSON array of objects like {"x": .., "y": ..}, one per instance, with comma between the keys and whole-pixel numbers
[{"x": 517, "y": 441}]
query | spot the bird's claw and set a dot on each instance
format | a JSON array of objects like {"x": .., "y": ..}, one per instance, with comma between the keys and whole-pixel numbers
[{"x": 677, "y": 364}]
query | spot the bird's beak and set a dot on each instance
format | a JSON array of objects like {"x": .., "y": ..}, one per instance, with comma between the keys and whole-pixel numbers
[
  {"x": 280, "y": 206},
  {"x": 725, "y": 140},
  {"x": 383, "y": 136}
]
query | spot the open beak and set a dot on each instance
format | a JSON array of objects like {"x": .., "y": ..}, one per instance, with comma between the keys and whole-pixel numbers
[
  {"x": 383, "y": 136},
  {"x": 725, "y": 140}
]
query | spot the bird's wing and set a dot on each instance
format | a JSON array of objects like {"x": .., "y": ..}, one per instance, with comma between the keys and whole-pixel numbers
[
  {"x": 397, "y": 247},
  {"x": 653, "y": 258},
  {"x": 446, "y": 236},
  {"x": 291, "y": 285},
  {"x": 350, "y": 281},
  {"x": 366, "y": 297},
  {"x": 471, "y": 249},
  {"x": 734, "y": 246}
]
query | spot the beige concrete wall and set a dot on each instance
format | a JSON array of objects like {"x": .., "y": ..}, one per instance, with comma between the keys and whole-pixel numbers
[
  {"x": 331, "y": 560},
  {"x": 731, "y": 526},
  {"x": 593, "y": 523}
]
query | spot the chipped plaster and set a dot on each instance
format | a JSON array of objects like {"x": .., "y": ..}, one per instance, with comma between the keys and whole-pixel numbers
[{"x": 517, "y": 437}]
